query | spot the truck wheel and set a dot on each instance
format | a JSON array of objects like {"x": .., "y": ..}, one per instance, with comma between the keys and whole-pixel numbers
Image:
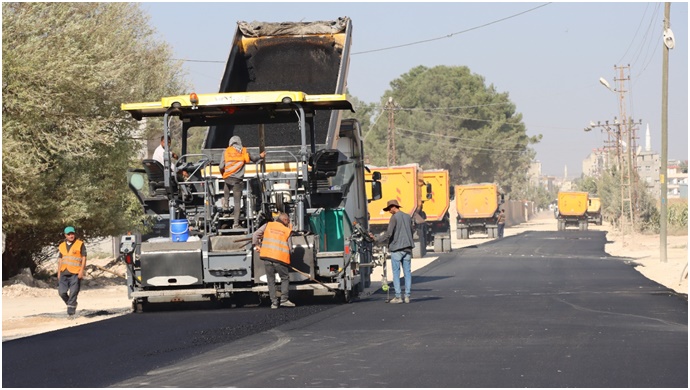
[
  {"x": 140, "y": 306},
  {"x": 446, "y": 244},
  {"x": 438, "y": 244},
  {"x": 419, "y": 249}
]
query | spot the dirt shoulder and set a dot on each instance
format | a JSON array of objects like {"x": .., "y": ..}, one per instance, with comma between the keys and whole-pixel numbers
[{"x": 31, "y": 307}]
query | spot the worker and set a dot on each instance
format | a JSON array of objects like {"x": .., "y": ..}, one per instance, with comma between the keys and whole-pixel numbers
[
  {"x": 272, "y": 241},
  {"x": 400, "y": 243},
  {"x": 232, "y": 167},
  {"x": 159, "y": 153},
  {"x": 501, "y": 221},
  {"x": 71, "y": 265}
]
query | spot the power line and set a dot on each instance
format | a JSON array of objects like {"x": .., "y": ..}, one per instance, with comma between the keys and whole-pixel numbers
[
  {"x": 635, "y": 36},
  {"x": 459, "y": 139},
  {"x": 406, "y": 44},
  {"x": 451, "y": 34}
]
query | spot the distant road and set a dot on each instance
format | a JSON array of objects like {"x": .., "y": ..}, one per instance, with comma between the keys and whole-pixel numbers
[{"x": 539, "y": 309}]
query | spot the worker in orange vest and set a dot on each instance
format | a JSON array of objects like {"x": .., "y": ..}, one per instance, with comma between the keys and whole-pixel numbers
[
  {"x": 71, "y": 265},
  {"x": 272, "y": 240},
  {"x": 232, "y": 168}
]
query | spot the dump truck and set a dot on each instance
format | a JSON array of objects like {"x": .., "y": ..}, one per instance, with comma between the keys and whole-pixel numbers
[
  {"x": 594, "y": 211},
  {"x": 283, "y": 93},
  {"x": 435, "y": 208},
  {"x": 405, "y": 183},
  {"x": 572, "y": 209},
  {"x": 478, "y": 208}
]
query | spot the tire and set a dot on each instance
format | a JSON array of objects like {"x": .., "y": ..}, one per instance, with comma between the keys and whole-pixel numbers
[
  {"x": 446, "y": 245},
  {"x": 438, "y": 244}
]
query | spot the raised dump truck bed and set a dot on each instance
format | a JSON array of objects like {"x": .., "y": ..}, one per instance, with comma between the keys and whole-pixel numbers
[{"x": 312, "y": 57}]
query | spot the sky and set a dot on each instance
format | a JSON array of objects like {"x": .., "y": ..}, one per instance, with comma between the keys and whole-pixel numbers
[{"x": 548, "y": 57}]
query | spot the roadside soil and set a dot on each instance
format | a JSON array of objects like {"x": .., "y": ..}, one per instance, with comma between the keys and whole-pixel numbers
[{"x": 31, "y": 306}]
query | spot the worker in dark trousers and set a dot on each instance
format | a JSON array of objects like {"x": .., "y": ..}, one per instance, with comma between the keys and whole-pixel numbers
[
  {"x": 71, "y": 265},
  {"x": 501, "y": 221},
  {"x": 231, "y": 166},
  {"x": 272, "y": 240}
]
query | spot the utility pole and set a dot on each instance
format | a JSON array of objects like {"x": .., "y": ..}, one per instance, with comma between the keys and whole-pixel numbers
[
  {"x": 626, "y": 131},
  {"x": 664, "y": 131},
  {"x": 390, "y": 146}
]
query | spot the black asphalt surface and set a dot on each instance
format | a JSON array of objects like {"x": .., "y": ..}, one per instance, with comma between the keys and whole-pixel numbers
[{"x": 540, "y": 309}]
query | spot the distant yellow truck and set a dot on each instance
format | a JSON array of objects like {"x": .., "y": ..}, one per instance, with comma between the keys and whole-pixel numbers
[
  {"x": 403, "y": 183},
  {"x": 435, "y": 208},
  {"x": 478, "y": 208},
  {"x": 572, "y": 209},
  {"x": 594, "y": 211}
]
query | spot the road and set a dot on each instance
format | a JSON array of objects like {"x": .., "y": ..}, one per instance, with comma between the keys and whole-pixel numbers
[{"x": 539, "y": 309}]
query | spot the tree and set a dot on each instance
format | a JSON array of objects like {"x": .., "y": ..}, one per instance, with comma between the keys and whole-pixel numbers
[
  {"x": 447, "y": 118},
  {"x": 66, "y": 69}
]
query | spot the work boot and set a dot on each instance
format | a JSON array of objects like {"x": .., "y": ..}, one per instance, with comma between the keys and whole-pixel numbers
[
  {"x": 287, "y": 303},
  {"x": 71, "y": 310},
  {"x": 396, "y": 300}
]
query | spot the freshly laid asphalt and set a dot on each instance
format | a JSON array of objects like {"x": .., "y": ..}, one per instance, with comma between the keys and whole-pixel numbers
[{"x": 539, "y": 309}]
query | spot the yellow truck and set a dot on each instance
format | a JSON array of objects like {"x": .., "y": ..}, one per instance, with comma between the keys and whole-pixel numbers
[
  {"x": 435, "y": 208},
  {"x": 594, "y": 211},
  {"x": 572, "y": 209},
  {"x": 478, "y": 208},
  {"x": 405, "y": 183}
]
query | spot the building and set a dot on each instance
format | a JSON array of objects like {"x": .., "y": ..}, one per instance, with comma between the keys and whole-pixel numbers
[
  {"x": 648, "y": 167},
  {"x": 677, "y": 180}
]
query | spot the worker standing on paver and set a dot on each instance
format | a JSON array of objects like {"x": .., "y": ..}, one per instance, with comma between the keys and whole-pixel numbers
[
  {"x": 71, "y": 266},
  {"x": 231, "y": 166}
]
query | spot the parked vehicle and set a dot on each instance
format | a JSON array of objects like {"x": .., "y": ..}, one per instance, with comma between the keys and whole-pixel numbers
[{"x": 478, "y": 208}]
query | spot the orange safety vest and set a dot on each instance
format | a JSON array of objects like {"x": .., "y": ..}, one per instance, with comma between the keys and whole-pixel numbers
[
  {"x": 70, "y": 261},
  {"x": 234, "y": 160},
  {"x": 275, "y": 242}
]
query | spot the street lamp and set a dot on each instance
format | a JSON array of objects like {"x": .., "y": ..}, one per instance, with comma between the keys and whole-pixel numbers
[{"x": 605, "y": 84}]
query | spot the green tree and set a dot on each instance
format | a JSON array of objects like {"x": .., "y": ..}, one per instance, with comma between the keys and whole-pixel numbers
[
  {"x": 66, "y": 68},
  {"x": 448, "y": 118}
]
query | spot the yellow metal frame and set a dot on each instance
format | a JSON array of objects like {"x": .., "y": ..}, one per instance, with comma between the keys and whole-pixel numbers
[{"x": 238, "y": 100}]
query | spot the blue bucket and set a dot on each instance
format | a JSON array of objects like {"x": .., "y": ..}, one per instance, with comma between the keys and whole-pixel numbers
[{"x": 179, "y": 230}]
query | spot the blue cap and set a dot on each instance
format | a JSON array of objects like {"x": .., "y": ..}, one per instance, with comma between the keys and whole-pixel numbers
[{"x": 69, "y": 229}]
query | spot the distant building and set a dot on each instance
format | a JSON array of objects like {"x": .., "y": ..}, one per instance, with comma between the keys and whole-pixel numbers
[
  {"x": 648, "y": 167},
  {"x": 596, "y": 163},
  {"x": 677, "y": 180}
]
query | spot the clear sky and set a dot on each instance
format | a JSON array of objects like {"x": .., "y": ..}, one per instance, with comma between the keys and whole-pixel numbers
[{"x": 547, "y": 56}]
